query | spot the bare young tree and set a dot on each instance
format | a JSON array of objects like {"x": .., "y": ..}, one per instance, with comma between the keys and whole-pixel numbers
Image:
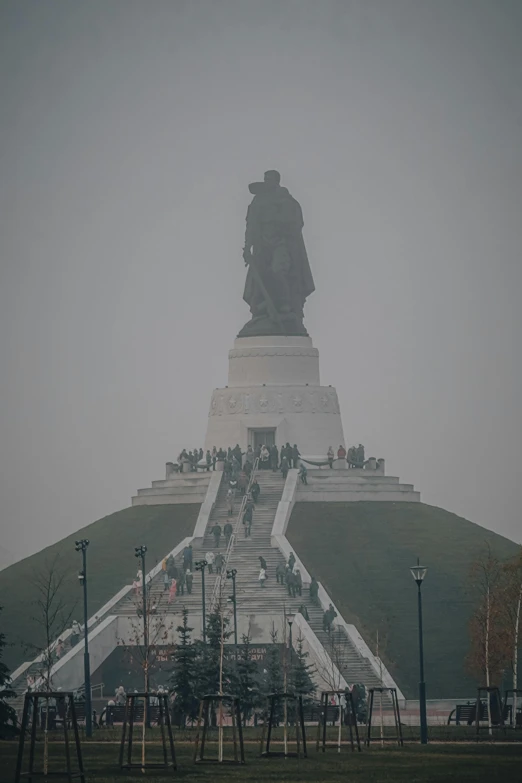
[
  {"x": 52, "y": 615},
  {"x": 488, "y": 631},
  {"x": 51, "y": 618},
  {"x": 512, "y": 606},
  {"x": 159, "y": 625}
]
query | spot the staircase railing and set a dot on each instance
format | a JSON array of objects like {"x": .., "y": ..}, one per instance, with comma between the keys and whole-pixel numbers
[{"x": 219, "y": 584}]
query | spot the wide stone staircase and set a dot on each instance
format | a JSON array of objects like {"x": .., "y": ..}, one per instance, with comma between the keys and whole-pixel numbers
[{"x": 252, "y": 599}]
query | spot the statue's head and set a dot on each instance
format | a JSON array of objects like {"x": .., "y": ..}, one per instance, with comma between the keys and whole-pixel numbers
[{"x": 272, "y": 179}]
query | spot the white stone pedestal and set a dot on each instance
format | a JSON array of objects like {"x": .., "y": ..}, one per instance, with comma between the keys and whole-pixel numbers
[{"x": 274, "y": 384}]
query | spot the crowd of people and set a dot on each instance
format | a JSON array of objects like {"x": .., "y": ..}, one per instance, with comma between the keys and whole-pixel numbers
[
  {"x": 233, "y": 459},
  {"x": 178, "y": 578}
]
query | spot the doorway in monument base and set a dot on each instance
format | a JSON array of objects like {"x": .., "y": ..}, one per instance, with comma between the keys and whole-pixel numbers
[{"x": 260, "y": 437}]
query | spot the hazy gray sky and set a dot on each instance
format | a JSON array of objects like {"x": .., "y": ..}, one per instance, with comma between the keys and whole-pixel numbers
[{"x": 129, "y": 132}]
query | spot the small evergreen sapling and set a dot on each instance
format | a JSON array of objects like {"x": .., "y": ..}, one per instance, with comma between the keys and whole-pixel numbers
[{"x": 183, "y": 677}]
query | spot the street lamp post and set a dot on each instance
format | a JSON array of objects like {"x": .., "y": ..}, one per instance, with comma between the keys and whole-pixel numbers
[
  {"x": 232, "y": 575},
  {"x": 419, "y": 572},
  {"x": 81, "y": 546},
  {"x": 139, "y": 552},
  {"x": 200, "y": 566}
]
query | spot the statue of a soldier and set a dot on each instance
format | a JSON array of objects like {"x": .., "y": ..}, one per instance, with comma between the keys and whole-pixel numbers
[{"x": 279, "y": 278}]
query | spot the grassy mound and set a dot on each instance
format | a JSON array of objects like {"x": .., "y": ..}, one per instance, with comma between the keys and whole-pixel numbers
[
  {"x": 111, "y": 565},
  {"x": 362, "y": 551}
]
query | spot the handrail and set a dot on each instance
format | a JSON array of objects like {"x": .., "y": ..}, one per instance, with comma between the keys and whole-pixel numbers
[{"x": 219, "y": 584}]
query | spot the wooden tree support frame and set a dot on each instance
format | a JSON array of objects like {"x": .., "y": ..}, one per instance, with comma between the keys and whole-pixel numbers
[
  {"x": 489, "y": 691},
  {"x": 205, "y": 705},
  {"x": 396, "y": 714},
  {"x": 65, "y": 705},
  {"x": 300, "y": 732},
  {"x": 169, "y": 755},
  {"x": 350, "y": 721},
  {"x": 515, "y": 694}
]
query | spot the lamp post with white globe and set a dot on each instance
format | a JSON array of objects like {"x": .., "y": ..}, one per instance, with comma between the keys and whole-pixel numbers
[{"x": 418, "y": 573}]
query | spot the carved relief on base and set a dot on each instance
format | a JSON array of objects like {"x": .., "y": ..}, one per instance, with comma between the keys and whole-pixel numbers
[{"x": 299, "y": 399}]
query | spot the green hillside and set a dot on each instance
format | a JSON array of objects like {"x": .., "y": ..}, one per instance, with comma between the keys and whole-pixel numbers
[
  {"x": 362, "y": 551},
  {"x": 111, "y": 565}
]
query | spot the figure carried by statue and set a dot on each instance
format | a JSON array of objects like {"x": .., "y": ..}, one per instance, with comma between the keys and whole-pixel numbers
[{"x": 279, "y": 277}]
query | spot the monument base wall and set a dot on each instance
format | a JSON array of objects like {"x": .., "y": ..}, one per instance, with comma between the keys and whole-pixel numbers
[
  {"x": 306, "y": 415},
  {"x": 274, "y": 384}
]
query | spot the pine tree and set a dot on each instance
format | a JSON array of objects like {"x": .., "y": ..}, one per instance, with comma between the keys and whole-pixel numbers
[
  {"x": 248, "y": 684},
  {"x": 183, "y": 677},
  {"x": 208, "y": 658},
  {"x": 301, "y": 672},
  {"x": 7, "y": 713}
]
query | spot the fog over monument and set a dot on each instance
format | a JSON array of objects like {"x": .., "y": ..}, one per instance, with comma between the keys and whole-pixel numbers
[
  {"x": 128, "y": 137},
  {"x": 259, "y": 346}
]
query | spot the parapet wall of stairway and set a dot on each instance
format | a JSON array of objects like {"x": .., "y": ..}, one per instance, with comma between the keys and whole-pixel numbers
[{"x": 279, "y": 540}]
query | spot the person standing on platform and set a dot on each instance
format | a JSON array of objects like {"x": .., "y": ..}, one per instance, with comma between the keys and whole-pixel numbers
[
  {"x": 264, "y": 458},
  {"x": 208, "y": 460},
  {"x": 303, "y": 473},
  {"x": 341, "y": 453},
  {"x": 238, "y": 454},
  {"x": 289, "y": 455},
  {"x": 274, "y": 458},
  {"x": 295, "y": 455},
  {"x": 330, "y": 457},
  {"x": 284, "y": 466}
]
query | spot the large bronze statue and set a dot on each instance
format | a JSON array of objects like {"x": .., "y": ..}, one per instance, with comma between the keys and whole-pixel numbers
[{"x": 279, "y": 277}]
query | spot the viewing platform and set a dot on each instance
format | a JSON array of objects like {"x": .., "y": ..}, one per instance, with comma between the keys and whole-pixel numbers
[
  {"x": 355, "y": 484},
  {"x": 177, "y": 488}
]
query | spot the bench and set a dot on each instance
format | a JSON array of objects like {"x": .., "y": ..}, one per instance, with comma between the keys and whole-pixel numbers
[
  {"x": 114, "y": 715},
  {"x": 467, "y": 714}
]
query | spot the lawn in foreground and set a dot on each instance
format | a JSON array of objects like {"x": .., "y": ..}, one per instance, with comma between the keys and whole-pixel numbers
[{"x": 412, "y": 764}]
